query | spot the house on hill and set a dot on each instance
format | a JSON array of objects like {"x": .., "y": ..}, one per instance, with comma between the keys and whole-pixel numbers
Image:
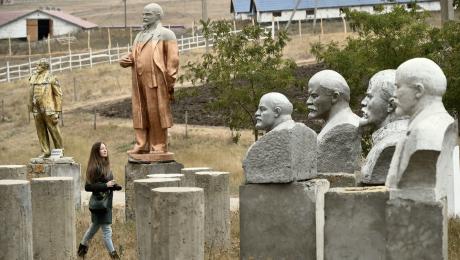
[
  {"x": 39, "y": 23},
  {"x": 264, "y": 11}
]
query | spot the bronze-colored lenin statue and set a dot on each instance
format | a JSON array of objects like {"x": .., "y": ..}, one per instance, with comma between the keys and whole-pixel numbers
[
  {"x": 45, "y": 103},
  {"x": 154, "y": 59}
]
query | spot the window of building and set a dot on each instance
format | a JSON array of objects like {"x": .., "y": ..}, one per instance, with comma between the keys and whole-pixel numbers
[
  {"x": 310, "y": 11},
  {"x": 276, "y": 14},
  {"x": 411, "y": 5}
]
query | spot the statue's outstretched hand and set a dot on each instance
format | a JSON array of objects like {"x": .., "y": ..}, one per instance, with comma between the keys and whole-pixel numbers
[{"x": 126, "y": 60}]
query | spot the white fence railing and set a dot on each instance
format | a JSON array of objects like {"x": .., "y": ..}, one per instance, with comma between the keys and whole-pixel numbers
[{"x": 79, "y": 60}]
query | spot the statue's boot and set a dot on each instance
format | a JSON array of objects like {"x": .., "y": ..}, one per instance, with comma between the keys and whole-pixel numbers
[{"x": 141, "y": 141}]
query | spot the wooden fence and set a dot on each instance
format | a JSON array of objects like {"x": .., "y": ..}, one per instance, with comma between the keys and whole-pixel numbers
[{"x": 91, "y": 58}]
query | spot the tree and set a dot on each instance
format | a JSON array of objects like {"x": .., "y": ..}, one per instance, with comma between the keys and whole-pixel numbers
[{"x": 241, "y": 68}]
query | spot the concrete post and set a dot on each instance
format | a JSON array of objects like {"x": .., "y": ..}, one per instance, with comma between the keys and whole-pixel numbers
[
  {"x": 64, "y": 168},
  {"x": 54, "y": 234},
  {"x": 13, "y": 172},
  {"x": 189, "y": 175},
  {"x": 282, "y": 221},
  {"x": 178, "y": 223},
  {"x": 217, "y": 208},
  {"x": 15, "y": 220},
  {"x": 142, "y": 189},
  {"x": 136, "y": 171},
  {"x": 447, "y": 10},
  {"x": 355, "y": 223}
]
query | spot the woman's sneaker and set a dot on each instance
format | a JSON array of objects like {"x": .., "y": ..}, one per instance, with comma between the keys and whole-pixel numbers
[
  {"x": 82, "y": 250},
  {"x": 114, "y": 255}
]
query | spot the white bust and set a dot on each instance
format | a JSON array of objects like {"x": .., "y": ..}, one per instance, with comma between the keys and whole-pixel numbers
[
  {"x": 422, "y": 163},
  {"x": 274, "y": 109}
]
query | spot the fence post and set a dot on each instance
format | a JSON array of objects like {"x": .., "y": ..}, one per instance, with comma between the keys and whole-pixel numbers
[
  {"x": 60, "y": 63},
  {"x": 110, "y": 55},
  {"x": 9, "y": 46},
  {"x": 30, "y": 66},
  {"x": 90, "y": 58},
  {"x": 189, "y": 43},
  {"x": 344, "y": 25},
  {"x": 62, "y": 118},
  {"x": 74, "y": 89},
  {"x": 89, "y": 40},
  {"x": 186, "y": 124},
  {"x": 70, "y": 59},
  {"x": 300, "y": 28},
  {"x": 79, "y": 59},
  {"x": 19, "y": 71},
  {"x": 8, "y": 71},
  {"x": 108, "y": 35},
  {"x": 94, "y": 121},
  {"x": 130, "y": 35},
  {"x": 182, "y": 42},
  {"x": 3, "y": 111},
  {"x": 321, "y": 25},
  {"x": 118, "y": 52},
  {"x": 49, "y": 45}
]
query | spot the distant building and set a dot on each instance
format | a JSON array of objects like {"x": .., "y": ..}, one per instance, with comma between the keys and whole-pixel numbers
[
  {"x": 39, "y": 23},
  {"x": 264, "y": 11}
]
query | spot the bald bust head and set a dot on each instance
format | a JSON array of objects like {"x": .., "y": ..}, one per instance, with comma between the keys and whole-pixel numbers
[
  {"x": 419, "y": 81},
  {"x": 326, "y": 89},
  {"x": 152, "y": 14},
  {"x": 274, "y": 109}
]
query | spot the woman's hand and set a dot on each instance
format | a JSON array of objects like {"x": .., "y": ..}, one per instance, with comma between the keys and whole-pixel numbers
[{"x": 111, "y": 184}]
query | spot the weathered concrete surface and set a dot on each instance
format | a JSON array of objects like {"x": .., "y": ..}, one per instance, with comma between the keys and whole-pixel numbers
[
  {"x": 416, "y": 230},
  {"x": 339, "y": 179},
  {"x": 15, "y": 220},
  {"x": 170, "y": 175},
  {"x": 355, "y": 223},
  {"x": 143, "y": 200},
  {"x": 282, "y": 156},
  {"x": 64, "y": 169},
  {"x": 217, "y": 208},
  {"x": 178, "y": 223},
  {"x": 282, "y": 221},
  {"x": 135, "y": 171},
  {"x": 13, "y": 172},
  {"x": 339, "y": 149},
  {"x": 189, "y": 175},
  {"x": 54, "y": 233}
]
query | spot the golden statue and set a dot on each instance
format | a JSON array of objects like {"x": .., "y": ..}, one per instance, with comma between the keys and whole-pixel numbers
[
  {"x": 45, "y": 100},
  {"x": 154, "y": 60}
]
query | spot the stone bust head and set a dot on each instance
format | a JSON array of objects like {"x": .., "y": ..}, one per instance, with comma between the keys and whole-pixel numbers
[
  {"x": 42, "y": 65},
  {"x": 152, "y": 14},
  {"x": 419, "y": 83},
  {"x": 274, "y": 109},
  {"x": 328, "y": 93},
  {"x": 378, "y": 106}
]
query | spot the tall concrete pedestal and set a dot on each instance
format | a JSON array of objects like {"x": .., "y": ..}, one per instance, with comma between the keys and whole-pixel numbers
[
  {"x": 135, "y": 171},
  {"x": 143, "y": 200},
  {"x": 64, "y": 168},
  {"x": 53, "y": 209},
  {"x": 15, "y": 220},
  {"x": 189, "y": 175},
  {"x": 416, "y": 230},
  {"x": 13, "y": 172},
  {"x": 282, "y": 221},
  {"x": 178, "y": 223},
  {"x": 217, "y": 208},
  {"x": 355, "y": 223}
]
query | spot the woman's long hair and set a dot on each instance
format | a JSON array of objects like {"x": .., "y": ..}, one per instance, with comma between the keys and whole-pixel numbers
[{"x": 97, "y": 166}]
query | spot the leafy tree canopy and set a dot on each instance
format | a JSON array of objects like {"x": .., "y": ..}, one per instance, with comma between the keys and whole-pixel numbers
[
  {"x": 240, "y": 68},
  {"x": 385, "y": 40}
]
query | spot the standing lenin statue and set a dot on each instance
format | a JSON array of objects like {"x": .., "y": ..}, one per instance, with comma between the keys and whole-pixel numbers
[
  {"x": 45, "y": 99},
  {"x": 154, "y": 60}
]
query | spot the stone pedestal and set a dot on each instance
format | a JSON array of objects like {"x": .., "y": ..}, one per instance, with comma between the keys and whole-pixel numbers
[
  {"x": 178, "y": 223},
  {"x": 189, "y": 175},
  {"x": 355, "y": 223},
  {"x": 54, "y": 233},
  {"x": 143, "y": 200},
  {"x": 338, "y": 179},
  {"x": 169, "y": 175},
  {"x": 217, "y": 208},
  {"x": 135, "y": 171},
  {"x": 15, "y": 220},
  {"x": 58, "y": 168},
  {"x": 416, "y": 230},
  {"x": 282, "y": 221},
  {"x": 13, "y": 172}
]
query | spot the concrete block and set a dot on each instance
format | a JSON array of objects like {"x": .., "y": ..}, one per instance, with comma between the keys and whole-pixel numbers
[
  {"x": 179, "y": 176},
  {"x": 15, "y": 220},
  {"x": 217, "y": 208},
  {"x": 355, "y": 223},
  {"x": 282, "y": 221},
  {"x": 13, "y": 172},
  {"x": 143, "y": 201},
  {"x": 282, "y": 156},
  {"x": 339, "y": 179},
  {"x": 61, "y": 169},
  {"x": 189, "y": 177},
  {"x": 54, "y": 233},
  {"x": 178, "y": 223},
  {"x": 135, "y": 171},
  {"x": 416, "y": 230}
]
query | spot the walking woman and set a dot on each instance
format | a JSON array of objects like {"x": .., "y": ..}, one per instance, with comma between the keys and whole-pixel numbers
[{"x": 99, "y": 180}]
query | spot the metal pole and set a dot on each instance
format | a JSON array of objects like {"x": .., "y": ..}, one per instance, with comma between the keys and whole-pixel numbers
[
  {"x": 292, "y": 15},
  {"x": 74, "y": 89},
  {"x": 186, "y": 124},
  {"x": 204, "y": 10},
  {"x": 125, "y": 13},
  {"x": 314, "y": 17}
]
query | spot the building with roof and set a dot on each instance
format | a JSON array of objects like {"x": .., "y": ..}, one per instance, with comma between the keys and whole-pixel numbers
[
  {"x": 281, "y": 10},
  {"x": 40, "y": 23}
]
